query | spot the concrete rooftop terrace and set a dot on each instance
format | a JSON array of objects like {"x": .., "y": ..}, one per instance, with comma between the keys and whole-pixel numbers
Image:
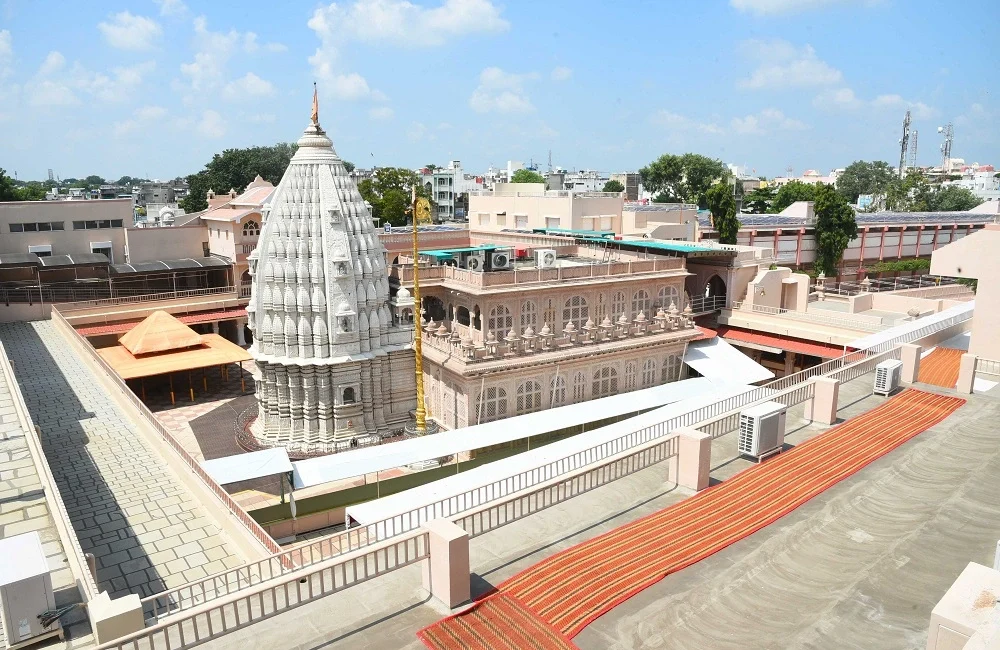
[{"x": 860, "y": 566}]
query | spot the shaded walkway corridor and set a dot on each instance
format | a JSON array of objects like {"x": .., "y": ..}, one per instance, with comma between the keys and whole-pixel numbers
[{"x": 127, "y": 507}]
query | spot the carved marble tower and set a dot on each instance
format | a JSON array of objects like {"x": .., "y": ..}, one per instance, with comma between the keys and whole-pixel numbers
[{"x": 331, "y": 362}]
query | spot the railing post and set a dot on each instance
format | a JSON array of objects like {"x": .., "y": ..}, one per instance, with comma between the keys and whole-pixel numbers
[
  {"x": 694, "y": 458},
  {"x": 910, "y": 356},
  {"x": 822, "y": 406},
  {"x": 966, "y": 374},
  {"x": 446, "y": 573}
]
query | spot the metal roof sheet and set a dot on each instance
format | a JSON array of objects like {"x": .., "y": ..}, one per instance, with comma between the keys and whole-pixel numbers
[
  {"x": 75, "y": 259},
  {"x": 170, "y": 265}
]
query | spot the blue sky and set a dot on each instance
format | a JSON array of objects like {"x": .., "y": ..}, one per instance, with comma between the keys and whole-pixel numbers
[{"x": 155, "y": 87}]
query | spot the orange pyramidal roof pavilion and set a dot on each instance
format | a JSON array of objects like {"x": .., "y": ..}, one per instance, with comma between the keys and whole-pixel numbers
[{"x": 160, "y": 332}]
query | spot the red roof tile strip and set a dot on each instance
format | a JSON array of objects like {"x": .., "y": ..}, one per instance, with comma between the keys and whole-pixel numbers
[
  {"x": 706, "y": 333},
  {"x": 823, "y": 350},
  {"x": 197, "y": 317}
]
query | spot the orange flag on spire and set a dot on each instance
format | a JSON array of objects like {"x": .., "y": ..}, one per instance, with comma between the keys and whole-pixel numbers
[{"x": 315, "y": 113}]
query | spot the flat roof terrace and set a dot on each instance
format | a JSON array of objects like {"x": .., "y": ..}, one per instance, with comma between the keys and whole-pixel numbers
[{"x": 861, "y": 565}]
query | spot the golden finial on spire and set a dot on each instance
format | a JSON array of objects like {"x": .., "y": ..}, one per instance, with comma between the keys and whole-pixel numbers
[{"x": 315, "y": 113}]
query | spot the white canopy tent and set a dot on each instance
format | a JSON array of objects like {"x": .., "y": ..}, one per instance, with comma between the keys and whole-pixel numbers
[
  {"x": 243, "y": 467},
  {"x": 475, "y": 487},
  {"x": 720, "y": 361},
  {"x": 334, "y": 467},
  {"x": 909, "y": 327}
]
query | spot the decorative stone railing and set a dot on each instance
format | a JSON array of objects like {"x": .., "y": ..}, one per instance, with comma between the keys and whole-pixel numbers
[{"x": 461, "y": 345}]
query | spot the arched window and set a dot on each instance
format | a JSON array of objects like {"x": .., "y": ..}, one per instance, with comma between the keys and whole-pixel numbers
[
  {"x": 549, "y": 316},
  {"x": 462, "y": 316},
  {"x": 500, "y": 321},
  {"x": 630, "y": 375},
  {"x": 579, "y": 387},
  {"x": 348, "y": 395},
  {"x": 576, "y": 310},
  {"x": 618, "y": 305},
  {"x": 640, "y": 302},
  {"x": 605, "y": 382},
  {"x": 558, "y": 390},
  {"x": 492, "y": 404},
  {"x": 648, "y": 372},
  {"x": 251, "y": 228},
  {"x": 671, "y": 369},
  {"x": 602, "y": 308},
  {"x": 667, "y": 295},
  {"x": 529, "y": 315},
  {"x": 529, "y": 397}
]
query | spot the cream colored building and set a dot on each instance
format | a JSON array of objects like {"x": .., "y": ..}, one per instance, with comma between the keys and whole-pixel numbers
[
  {"x": 66, "y": 227},
  {"x": 528, "y": 206}
]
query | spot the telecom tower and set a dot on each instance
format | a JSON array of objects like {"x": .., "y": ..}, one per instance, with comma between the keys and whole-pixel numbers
[
  {"x": 913, "y": 150},
  {"x": 51, "y": 175},
  {"x": 904, "y": 144},
  {"x": 949, "y": 137}
]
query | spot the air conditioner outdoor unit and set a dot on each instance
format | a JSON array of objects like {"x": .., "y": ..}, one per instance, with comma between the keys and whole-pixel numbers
[
  {"x": 545, "y": 258},
  {"x": 25, "y": 590},
  {"x": 887, "y": 376},
  {"x": 475, "y": 262},
  {"x": 762, "y": 429},
  {"x": 501, "y": 260}
]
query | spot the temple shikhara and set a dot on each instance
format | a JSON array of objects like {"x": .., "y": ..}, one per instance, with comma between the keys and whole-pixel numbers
[{"x": 331, "y": 364}]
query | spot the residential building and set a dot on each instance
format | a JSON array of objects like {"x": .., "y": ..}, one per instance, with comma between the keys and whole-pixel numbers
[
  {"x": 631, "y": 182},
  {"x": 526, "y": 206},
  {"x": 810, "y": 177},
  {"x": 66, "y": 227},
  {"x": 981, "y": 180},
  {"x": 161, "y": 192},
  {"x": 449, "y": 188}
]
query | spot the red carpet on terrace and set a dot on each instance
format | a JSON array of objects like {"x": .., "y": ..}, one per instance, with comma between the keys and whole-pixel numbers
[
  {"x": 940, "y": 367},
  {"x": 547, "y": 604}
]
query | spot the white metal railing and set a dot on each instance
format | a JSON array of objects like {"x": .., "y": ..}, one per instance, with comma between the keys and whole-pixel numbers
[
  {"x": 987, "y": 366},
  {"x": 716, "y": 418},
  {"x": 249, "y": 606},
  {"x": 142, "y": 295},
  {"x": 860, "y": 323}
]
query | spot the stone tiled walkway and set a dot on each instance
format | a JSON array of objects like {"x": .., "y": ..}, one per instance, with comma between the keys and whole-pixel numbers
[{"x": 146, "y": 530}]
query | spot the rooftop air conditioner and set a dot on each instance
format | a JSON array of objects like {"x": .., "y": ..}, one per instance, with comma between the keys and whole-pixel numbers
[
  {"x": 501, "y": 260},
  {"x": 26, "y": 591},
  {"x": 887, "y": 376},
  {"x": 475, "y": 262},
  {"x": 545, "y": 258},
  {"x": 762, "y": 429}
]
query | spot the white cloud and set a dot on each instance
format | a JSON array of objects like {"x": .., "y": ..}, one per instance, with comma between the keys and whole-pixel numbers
[
  {"x": 767, "y": 120},
  {"x": 213, "y": 52},
  {"x": 50, "y": 94},
  {"x": 53, "y": 63},
  {"x": 418, "y": 131},
  {"x": 129, "y": 32},
  {"x": 838, "y": 99},
  {"x": 920, "y": 110},
  {"x": 501, "y": 92},
  {"x": 249, "y": 85},
  {"x": 771, "y": 7},
  {"x": 677, "y": 122},
  {"x": 561, "y": 73},
  {"x": 781, "y": 64},
  {"x": 141, "y": 117},
  {"x": 6, "y": 53},
  {"x": 261, "y": 118},
  {"x": 394, "y": 22},
  {"x": 381, "y": 113},
  {"x": 115, "y": 88},
  {"x": 211, "y": 125},
  {"x": 172, "y": 7}
]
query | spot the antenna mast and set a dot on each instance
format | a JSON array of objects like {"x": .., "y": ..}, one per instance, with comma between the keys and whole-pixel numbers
[
  {"x": 949, "y": 137},
  {"x": 904, "y": 144},
  {"x": 913, "y": 150}
]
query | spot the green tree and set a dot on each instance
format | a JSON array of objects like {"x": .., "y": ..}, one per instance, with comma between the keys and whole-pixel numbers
[
  {"x": 684, "y": 178},
  {"x": 835, "y": 227},
  {"x": 791, "y": 192},
  {"x": 862, "y": 177},
  {"x": 613, "y": 186},
  {"x": 723, "y": 206},
  {"x": 952, "y": 198},
  {"x": 348, "y": 165},
  {"x": 910, "y": 194},
  {"x": 7, "y": 190},
  {"x": 758, "y": 201},
  {"x": 526, "y": 176},
  {"x": 388, "y": 191},
  {"x": 235, "y": 169},
  {"x": 31, "y": 191}
]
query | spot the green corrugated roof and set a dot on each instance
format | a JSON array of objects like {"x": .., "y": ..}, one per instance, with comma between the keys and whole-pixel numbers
[
  {"x": 580, "y": 233},
  {"x": 450, "y": 252},
  {"x": 649, "y": 244}
]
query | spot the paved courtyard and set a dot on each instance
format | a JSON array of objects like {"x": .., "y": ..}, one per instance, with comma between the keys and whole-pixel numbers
[
  {"x": 128, "y": 509},
  {"x": 859, "y": 566}
]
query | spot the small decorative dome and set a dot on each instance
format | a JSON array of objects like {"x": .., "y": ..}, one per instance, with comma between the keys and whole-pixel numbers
[
  {"x": 512, "y": 336},
  {"x": 673, "y": 308},
  {"x": 641, "y": 318},
  {"x": 467, "y": 341},
  {"x": 589, "y": 325},
  {"x": 442, "y": 330},
  {"x": 660, "y": 314},
  {"x": 623, "y": 319},
  {"x": 343, "y": 308},
  {"x": 491, "y": 337},
  {"x": 545, "y": 330},
  {"x": 570, "y": 327},
  {"x": 606, "y": 322},
  {"x": 528, "y": 331}
]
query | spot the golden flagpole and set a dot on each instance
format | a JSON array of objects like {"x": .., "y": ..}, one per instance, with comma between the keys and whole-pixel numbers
[{"x": 421, "y": 414}]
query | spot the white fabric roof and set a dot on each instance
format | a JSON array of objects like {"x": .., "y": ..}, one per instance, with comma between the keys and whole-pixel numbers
[
  {"x": 720, "y": 361},
  {"x": 414, "y": 505},
  {"x": 335, "y": 467},
  {"x": 243, "y": 467},
  {"x": 911, "y": 326}
]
